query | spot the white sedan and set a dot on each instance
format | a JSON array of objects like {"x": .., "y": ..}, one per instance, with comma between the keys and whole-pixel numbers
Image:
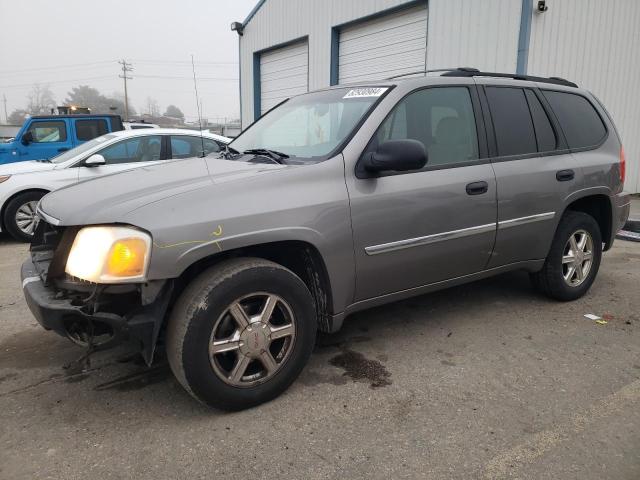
[{"x": 22, "y": 184}]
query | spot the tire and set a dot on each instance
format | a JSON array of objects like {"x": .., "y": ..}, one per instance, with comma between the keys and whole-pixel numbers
[
  {"x": 551, "y": 279},
  {"x": 28, "y": 201},
  {"x": 207, "y": 306}
]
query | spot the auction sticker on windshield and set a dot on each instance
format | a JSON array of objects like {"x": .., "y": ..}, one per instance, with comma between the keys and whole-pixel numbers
[{"x": 365, "y": 92}]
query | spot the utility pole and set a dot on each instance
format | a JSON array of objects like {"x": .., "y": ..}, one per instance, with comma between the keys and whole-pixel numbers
[
  {"x": 6, "y": 117},
  {"x": 126, "y": 67}
]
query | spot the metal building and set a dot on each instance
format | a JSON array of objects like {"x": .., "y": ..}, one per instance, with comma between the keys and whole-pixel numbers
[{"x": 292, "y": 46}]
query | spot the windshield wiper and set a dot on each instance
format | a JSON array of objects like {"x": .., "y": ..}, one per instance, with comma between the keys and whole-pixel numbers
[{"x": 277, "y": 156}]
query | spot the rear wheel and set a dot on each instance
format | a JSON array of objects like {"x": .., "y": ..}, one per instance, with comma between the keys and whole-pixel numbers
[
  {"x": 20, "y": 218},
  {"x": 241, "y": 333},
  {"x": 573, "y": 260}
]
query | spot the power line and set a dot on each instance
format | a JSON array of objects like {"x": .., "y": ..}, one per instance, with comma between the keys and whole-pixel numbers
[
  {"x": 171, "y": 77},
  {"x": 56, "y": 81},
  {"x": 57, "y": 67}
]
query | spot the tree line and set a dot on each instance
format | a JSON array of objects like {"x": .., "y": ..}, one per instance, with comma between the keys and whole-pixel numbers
[{"x": 41, "y": 101}]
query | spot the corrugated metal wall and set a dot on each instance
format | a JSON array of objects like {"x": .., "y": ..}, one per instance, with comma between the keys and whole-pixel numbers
[
  {"x": 483, "y": 34},
  {"x": 595, "y": 43}
]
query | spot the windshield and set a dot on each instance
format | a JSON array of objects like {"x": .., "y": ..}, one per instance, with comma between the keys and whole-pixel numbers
[
  {"x": 310, "y": 125},
  {"x": 86, "y": 146}
]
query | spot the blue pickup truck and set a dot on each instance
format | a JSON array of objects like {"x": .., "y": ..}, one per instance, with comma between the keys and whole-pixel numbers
[{"x": 44, "y": 137}]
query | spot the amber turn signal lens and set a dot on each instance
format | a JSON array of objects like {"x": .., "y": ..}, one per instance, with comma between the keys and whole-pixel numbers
[{"x": 127, "y": 258}]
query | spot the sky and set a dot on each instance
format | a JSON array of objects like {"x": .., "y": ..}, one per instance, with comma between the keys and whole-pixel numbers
[{"x": 65, "y": 43}]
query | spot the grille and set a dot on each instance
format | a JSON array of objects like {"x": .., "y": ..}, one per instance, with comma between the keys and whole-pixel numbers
[{"x": 49, "y": 249}]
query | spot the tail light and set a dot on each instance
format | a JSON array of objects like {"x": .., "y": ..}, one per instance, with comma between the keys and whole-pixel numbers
[{"x": 623, "y": 165}]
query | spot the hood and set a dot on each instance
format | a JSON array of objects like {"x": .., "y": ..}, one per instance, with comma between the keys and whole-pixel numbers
[
  {"x": 108, "y": 199},
  {"x": 25, "y": 167}
]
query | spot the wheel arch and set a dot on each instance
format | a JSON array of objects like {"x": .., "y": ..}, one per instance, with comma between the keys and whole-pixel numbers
[
  {"x": 598, "y": 205},
  {"x": 301, "y": 257},
  {"x": 14, "y": 195}
]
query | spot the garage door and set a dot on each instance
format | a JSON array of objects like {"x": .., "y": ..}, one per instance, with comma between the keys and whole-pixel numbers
[
  {"x": 382, "y": 47},
  {"x": 284, "y": 72}
]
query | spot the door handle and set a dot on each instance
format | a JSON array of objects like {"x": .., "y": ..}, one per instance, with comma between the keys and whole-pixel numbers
[
  {"x": 477, "y": 188},
  {"x": 63, "y": 149},
  {"x": 565, "y": 175}
]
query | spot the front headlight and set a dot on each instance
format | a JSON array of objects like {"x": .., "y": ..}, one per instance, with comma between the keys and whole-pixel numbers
[{"x": 109, "y": 255}]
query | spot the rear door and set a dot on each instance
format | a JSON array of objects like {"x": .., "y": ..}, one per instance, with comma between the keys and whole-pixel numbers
[
  {"x": 88, "y": 128},
  {"x": 534, "y": 169},
  {"x": 416, "y": 228},
  {"x": 50, "y": 138},
  {"x": 126, "y": 154}
]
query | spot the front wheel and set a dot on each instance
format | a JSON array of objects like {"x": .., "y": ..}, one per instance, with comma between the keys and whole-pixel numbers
[
  {"x": 20, "y": 218},
  {"x": 573, "y": 260},
  {"x": 241, "y": 333}
]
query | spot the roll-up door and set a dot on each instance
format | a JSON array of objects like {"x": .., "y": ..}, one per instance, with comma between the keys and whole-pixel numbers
[{"x": 384, "y": 46}]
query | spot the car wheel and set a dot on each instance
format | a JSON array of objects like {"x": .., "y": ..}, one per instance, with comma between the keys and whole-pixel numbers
[
  {"x": 241, "y": 332},
  {"x": 20, "y": 218},
  {"x": 573, "y": 260}
]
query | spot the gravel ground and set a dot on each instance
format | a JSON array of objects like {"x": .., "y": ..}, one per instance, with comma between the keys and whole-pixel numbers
[{"x": 487, "y": 380}]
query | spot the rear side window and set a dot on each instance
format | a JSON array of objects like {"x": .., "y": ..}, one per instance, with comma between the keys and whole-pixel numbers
[
  {"x": 545, "y": 136},
  {"x": 511, "y": 121},
  {"x": 579, "y": 120},
  {"x": 88, "y": 129}
]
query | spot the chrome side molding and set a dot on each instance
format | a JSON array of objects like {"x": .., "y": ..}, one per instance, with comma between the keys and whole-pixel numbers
[
  {"x": 463, "y": 232},
  {"x": 438, "y": 237},
  {"x": 515, "y": 222}
]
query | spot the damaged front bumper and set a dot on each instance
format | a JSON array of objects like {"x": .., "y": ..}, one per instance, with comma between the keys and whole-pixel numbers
[{"x": 102, "y": 317}]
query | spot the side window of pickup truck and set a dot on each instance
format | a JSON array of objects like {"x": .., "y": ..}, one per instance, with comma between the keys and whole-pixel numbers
[
  {"x": 441, "y": 118},
  {"x": 47, "y": 132}
]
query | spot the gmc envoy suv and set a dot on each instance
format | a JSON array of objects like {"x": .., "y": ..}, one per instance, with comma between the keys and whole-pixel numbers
[{"x": 332, "y": 202}]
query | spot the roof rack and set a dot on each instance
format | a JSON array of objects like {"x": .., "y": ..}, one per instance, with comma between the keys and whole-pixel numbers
[
  {"x": 463, "y": 69},
  {"x": 474, "y": 72}
]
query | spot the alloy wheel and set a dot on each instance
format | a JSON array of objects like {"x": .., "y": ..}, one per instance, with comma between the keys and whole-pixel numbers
[
  {"x": 26, "y": 217},
  {"x": 577, "y": 258},
  {"x": 252, "y": 339}
]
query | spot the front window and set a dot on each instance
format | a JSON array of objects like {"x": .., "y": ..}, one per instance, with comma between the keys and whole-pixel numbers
[
  {"x": 47, "y": 132},
  {"x": 85, "y": 147},
  {"x": 132, "y": 150},
  {"x": 310, "y": 125}
]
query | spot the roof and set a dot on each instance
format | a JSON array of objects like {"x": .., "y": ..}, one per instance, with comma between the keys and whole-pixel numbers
[
  {"x": 253, "y": 12},
  {"x": 78, "y": 115}
]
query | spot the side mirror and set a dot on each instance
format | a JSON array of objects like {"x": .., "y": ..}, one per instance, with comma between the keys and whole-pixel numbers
[
  {"x": 27, "y": 138},
  {"x": 94, "y": 160},
  {"x": 397, "y": 156}
]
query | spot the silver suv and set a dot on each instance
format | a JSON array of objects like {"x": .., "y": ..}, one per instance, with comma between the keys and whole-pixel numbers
[{"x": 334, "y": 201}]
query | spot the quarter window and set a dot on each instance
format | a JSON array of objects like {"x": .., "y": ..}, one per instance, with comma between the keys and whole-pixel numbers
[
  {"x": 138, "y": 149},
  {"x": 88, "y": 129},
  {"x": 580, "y": 122},
  {"x": 47, "y": 132},
  {"x": 441, "y": 118},
  {"x": 512, "y": 121}
]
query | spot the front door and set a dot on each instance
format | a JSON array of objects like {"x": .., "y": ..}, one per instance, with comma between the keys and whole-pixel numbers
[
  {"x": 49, "y": 139},
  {"x": 127, "y": 154},
  {"x": 416, "y": 228}
]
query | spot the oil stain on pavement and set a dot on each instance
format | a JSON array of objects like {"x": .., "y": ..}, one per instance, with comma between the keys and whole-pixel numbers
[{"x": 360, "y": 368}]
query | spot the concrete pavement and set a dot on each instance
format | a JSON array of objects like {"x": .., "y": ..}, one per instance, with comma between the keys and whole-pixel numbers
[{"x": 487, "y": 380}]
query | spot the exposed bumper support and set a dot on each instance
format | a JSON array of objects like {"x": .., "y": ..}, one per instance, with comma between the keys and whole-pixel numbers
[{"x": 55, "y": 311}]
